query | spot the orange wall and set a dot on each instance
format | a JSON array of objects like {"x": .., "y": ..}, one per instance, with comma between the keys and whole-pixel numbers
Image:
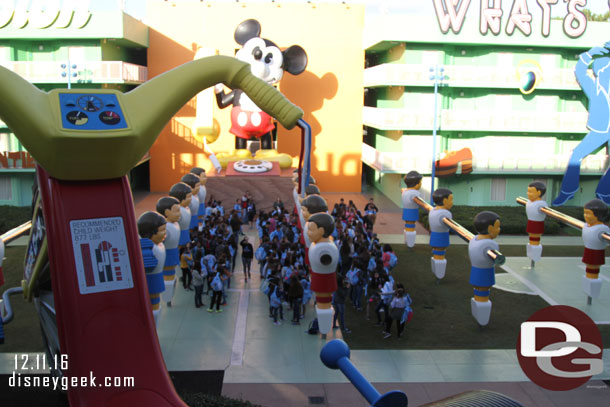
[{"x": 330, "y": 91}]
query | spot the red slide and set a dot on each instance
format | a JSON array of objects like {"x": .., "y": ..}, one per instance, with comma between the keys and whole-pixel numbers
[{"x": 104, "y": 319}]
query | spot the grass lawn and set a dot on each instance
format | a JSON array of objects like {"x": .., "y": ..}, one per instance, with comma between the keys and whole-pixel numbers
[{"x": 441, "y": 313}]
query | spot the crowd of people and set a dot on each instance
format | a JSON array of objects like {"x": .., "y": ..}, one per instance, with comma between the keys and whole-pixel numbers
[
  {"x": 209, "y": 258},
  {"x": 364, "y": 272}
]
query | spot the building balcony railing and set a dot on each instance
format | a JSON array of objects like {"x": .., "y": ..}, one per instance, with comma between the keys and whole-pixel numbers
[
  {"x": 86, "y": 72},
  {"x": 476, "y": 120},
  {"x": 464, "y": 76},
  {"x": 403, "y": 162}
]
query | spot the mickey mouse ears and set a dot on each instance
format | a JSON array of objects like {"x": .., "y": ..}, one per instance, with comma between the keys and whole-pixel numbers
[{"x": 246, "y": 30}]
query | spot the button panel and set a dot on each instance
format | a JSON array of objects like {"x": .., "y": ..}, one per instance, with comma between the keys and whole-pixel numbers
[{"x": 91, "y": 112}]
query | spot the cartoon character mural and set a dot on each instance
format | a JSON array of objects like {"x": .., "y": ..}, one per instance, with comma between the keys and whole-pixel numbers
[
  {"x": 268, "y": 63},
  {"x": 597, "y": 91},
  {"x": 454, "y": 162}
]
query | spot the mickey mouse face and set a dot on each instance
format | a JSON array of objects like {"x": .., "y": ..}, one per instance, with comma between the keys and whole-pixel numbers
[{"x": 265, "y": 60}]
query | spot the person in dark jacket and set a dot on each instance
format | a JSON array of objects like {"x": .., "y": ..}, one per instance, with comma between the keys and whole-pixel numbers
[
  {"x": 247, "y": 253},
  {"x": 339, "y": 305},
  {"x": 295, "y": 295}
]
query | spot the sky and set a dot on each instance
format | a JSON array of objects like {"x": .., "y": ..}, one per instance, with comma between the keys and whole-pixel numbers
[{"x": 137, "y": 8}]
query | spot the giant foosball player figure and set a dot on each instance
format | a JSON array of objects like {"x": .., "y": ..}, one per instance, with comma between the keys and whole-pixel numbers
[
  {"x": 169, "y": 207},
  {"x": 595, "y": 214},
  {"x": 297, "y": 198},
  {"x": 410, "y": 211},
  {"x": 439, "y": 231},
  {"x": 203, "y": 179},
  {"x": 310, "y": 206},
  {"x": 193, "y": 181},
  {"x": 183, "y": 193},
  {"x": 323, "y": 258},
  {"x": 311, "y": 189},
  {"x": 535, "y": 219},
  {"x": 152, "y": 229},
  {"x": 482, "y": 270}
]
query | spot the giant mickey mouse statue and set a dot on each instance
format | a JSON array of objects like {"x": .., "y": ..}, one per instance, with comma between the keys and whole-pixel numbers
[{"x": 268, "y": 63}]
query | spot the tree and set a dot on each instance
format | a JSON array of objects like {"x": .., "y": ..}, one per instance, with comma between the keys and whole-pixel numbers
[{"x": 597, "y": 17}]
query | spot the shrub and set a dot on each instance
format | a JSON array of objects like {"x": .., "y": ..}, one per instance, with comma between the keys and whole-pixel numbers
[
  {"x": 513, "y": 218},
  {"x": 208, "y": 400},
  {"x": 13, "y": 216}
]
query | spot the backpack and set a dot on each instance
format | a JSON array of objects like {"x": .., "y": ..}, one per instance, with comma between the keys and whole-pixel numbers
[
  {"x": 306, "y": 291},
  {"x": 260, "y": 253},
  {"x": 352, "y": 276},
  {"x": 313, "y": 328},
  {"x": 287, "y": 272},
  {"x": 275, "y": 300},
  {"x": 393, "y": 260},
  {"x": 216, "y": 283},
  {"x": 408, "y": 314}
]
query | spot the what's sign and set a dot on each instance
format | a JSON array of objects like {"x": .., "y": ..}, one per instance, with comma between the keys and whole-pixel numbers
[
  {"x": 44, "y": 13},
  {"x": 451, "y": 14}
]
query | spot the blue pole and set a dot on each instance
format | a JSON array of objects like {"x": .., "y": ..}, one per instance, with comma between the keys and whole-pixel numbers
[
  {"x": 358, "y": 380},
  {"x": 306, "y": 166},
  {"x": 70, "y": 77},
  {"x": 335, "y": 355}
]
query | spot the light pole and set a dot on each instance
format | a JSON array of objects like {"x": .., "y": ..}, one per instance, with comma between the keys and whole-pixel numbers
[
  {"x": 436, "y": 76},
  {"x": 69, "y": 74}
]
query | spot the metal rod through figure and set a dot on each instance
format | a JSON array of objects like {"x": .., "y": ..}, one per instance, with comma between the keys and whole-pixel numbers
[{"x": 461, "y": 231}]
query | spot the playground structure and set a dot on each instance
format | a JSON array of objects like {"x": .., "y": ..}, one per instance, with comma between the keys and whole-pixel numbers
[
  {"x": 85, "y": 142},
  {"x": 591, "y": 286}
]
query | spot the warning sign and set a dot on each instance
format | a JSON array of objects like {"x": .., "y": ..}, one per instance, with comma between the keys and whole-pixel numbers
[{"x": 100, "y": 255}]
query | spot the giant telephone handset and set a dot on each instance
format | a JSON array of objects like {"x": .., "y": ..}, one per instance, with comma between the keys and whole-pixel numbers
[{"x": 84, "y": 143}]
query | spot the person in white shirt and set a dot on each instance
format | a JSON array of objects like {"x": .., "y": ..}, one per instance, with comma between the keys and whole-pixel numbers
[{"x": 535, "y": 219}]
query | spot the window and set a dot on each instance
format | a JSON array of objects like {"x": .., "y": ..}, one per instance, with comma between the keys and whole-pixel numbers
[
  {"x": 498, "y": 189},
  {"x": 4, "y": 142},
  {"x": 6, "y": 190}
]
